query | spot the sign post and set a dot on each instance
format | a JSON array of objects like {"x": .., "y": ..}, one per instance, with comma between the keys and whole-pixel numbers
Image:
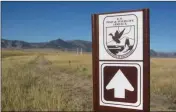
[{"x": 121, "y": 61}]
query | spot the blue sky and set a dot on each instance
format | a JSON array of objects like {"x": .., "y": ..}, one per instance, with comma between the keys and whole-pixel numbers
[{"x": 44, "y": 21}]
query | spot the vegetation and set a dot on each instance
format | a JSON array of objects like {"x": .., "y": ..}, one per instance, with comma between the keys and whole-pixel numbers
[
  {"x": 163, "y": 81},
  {"x": 41, "y": 81},
  {"x": 8, "y": 53}
]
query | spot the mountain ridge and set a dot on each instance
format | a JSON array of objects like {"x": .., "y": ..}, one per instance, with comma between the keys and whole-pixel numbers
[
  {"x": 56, "y": 44},
  {"x": 69, "y": 45}
]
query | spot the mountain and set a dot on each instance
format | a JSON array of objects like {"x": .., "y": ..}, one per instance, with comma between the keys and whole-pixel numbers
[
  {"x": 56, "y": 44},
  {"x": 86, "y": 45},
  {"x": 153, "y": 53},
  {"x": 70, "y": 45},
  {"x": 14, "y": 44}
]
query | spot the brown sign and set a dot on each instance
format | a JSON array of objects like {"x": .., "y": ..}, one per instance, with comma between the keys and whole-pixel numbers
[
  {"x": 127, "y": 80},
  {"x": 121, "y": 61}
]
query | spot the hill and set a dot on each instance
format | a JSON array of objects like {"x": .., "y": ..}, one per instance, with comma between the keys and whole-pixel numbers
[
  {"x": 154, "y": 53},
  {"x": 56, "y": 44},
  {"x": 70, "y": 45}
]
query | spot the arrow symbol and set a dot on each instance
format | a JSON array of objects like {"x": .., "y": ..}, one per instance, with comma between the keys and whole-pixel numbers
[{"x": 119, "y": 83}]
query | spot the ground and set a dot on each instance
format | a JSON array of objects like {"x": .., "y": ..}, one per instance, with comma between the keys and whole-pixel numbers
[{"x": 62, "y": 81}]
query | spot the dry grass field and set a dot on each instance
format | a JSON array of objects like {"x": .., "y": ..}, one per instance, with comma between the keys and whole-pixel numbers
[
  {"x": 163, "y": 84},
  {"x": 41, "y": 81}
]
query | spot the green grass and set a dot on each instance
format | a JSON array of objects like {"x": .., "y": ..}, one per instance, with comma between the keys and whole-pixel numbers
[{"x": 50, "y": 81}]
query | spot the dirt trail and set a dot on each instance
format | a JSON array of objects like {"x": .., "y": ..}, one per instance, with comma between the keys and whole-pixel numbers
[
  {"x": 41, "y": 61},
  {"x": 75, "y": 91}
]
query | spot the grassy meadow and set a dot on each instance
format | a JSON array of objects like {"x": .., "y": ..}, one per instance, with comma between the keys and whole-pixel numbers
[{"x": 62, "y": 81}]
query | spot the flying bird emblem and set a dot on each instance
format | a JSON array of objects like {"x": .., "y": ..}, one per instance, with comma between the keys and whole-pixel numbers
[{"x": 117, "y": 36}]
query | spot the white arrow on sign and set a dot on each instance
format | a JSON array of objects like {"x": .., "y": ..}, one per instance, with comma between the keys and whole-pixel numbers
[{"x": 119, "y": 83}]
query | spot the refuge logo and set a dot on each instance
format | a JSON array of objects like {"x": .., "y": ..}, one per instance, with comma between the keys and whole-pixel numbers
[{"x": 120, "y": 36}]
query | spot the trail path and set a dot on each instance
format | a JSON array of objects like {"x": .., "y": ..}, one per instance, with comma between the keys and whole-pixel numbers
[
  {"x": 46, "y": 87},
  {"x": 75, "y": 91}
]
